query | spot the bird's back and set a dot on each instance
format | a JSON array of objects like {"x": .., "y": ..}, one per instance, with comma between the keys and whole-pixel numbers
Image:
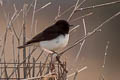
[{"x": 47, "y": 34}]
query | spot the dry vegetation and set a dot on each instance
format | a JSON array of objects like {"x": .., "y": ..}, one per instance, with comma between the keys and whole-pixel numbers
[{"x": 29, "y": 64}]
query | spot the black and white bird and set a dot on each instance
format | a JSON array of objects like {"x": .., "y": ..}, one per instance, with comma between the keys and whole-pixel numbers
[{"x": 52, "y": 38}]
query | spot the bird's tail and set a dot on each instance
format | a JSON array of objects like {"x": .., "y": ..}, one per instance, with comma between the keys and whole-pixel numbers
[{"x": 23, "y": 46}]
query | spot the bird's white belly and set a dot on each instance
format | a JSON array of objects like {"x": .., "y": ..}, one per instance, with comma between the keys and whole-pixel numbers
[{"x": 55, "y": 44}]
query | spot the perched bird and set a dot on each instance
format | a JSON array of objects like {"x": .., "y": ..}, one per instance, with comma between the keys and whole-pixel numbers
[{"x": 52, "y": 38}]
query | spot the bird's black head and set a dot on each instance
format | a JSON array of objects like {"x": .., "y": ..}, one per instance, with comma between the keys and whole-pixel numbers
[{"x": 63, "y": 25}]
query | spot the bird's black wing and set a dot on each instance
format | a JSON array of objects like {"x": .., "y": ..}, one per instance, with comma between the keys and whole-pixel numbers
[{"x": 47, "y": 34}]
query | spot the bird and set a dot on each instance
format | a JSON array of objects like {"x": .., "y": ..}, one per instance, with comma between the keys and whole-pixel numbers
[{"x": 52, "y": 38}]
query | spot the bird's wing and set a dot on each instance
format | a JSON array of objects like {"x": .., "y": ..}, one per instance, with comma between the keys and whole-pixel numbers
[{"x": 47, "y": 34}]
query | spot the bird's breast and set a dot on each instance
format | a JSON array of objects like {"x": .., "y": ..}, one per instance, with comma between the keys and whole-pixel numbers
[{"x": 59, "y": 42}]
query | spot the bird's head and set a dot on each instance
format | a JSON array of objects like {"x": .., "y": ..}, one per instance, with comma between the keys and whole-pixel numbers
[{"x": 64, "y": 25}]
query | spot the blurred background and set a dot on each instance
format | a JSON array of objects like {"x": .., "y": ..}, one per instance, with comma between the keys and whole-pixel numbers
[{"x": 93, "y": 51}]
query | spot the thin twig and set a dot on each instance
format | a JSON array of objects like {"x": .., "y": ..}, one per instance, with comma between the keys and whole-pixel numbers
[
  {"x": 77, "y": 5},
  {"x": 74, "y": 28},
  {"x": 14, "y": 59},
  {"x": 29, "y": 7},
  {"x": 73, "y": 11},
  {"x": 75, "y": 76},
  {"x": 49, "y": 3},
  {"x": 43, "y": 66},
  {"x": 34, "y": 78},
  {"x": 5, "y": 69},
  {"x": 65, "y": 11},
  {"x": 81, "y": 46},
  {"x": 24, "y": 40},
  {"x": 81, "y": 3},
  {"x": 12, "y": 18},
  {"x": 36, "y": 60},
  {"x": 100, "y": 5},
  {"x": 81, "y": 17},
  {"x": 33, "y": 16},
  {"x": 105, "y": 55},
  {"x": 104, "y": 61},
  {"x": 77, "y": 72},
  {"x": 59, "y": 10},
  {"x": 33, "y": 74},
  {"x": 36, "y": 21},
  {"x": 4, "y": 44}
]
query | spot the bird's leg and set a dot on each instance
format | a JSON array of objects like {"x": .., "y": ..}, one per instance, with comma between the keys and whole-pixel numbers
[
  {"x": 58, "y": 59},
  {"x": 55, "y": 57},
  {"x": 52, "y": 67},
  {"x": 54, "y": 52},
  {"x": 53, "y": 60}
]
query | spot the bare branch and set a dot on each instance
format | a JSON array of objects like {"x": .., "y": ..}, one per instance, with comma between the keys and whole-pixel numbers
[
  {"x": 40, "y": 77},
  {"x": 73, "y": 11},
  {"x": 81, "y": 4},
  {"x": 74, "y": 28},
  {"x": 36, "y": 21},
  {"x": 49, "y": 3},
  {"x": 100, "y": 5},
  {"x": 59, "y": 10},
  {"x": 81, "y": 17},
  {"x": 70, "y": 75},
  {"x": 81, "y": 46},
  {"x": 105, "y": 55},
  {"x": 33, "y": 16},
  {"x": 65, "y": 11},
  {"x": 30, "y": 6},
  {"x": 4, "y": 44}
]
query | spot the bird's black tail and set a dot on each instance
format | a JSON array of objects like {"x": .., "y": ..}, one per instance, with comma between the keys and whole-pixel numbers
[{"x": 23, "y": 46}]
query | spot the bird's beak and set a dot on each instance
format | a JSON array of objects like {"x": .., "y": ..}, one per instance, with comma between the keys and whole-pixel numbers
[{"x": 71, "y": 25}]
